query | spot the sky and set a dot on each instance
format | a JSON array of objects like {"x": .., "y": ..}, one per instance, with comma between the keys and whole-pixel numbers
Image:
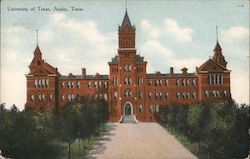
[{"x": 168, "y": 34}]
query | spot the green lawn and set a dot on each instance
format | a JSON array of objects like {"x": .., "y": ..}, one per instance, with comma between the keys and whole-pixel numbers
[
  {"x": 192, "y": 147},
  {"x": 80, "y": 148}
]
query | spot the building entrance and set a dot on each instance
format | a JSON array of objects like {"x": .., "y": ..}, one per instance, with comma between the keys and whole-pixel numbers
[{"x": 128, "y": 109}]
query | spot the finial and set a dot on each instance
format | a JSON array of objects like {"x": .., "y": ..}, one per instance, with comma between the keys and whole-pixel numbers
[
  {"x": 36, "y": 37},
  {"x": 126, "y": 5},
  {"x": 216, "y": 33}
]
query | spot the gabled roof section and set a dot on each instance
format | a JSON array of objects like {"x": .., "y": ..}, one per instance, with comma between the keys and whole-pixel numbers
[
  {"x": 211, "y": 65},
  {"x": 97, "y": 75},
  {"x": 126, "y": 21},
  {"x": 70, "y": 75}
]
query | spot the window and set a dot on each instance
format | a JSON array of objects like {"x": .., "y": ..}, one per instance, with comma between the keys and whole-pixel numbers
[
  {"x": 225, "y": 93},
  {"x": 184, "y": 82},
  {"x": 156, "y": 95},
  {"x": 156, "y": 83},
  {"x": 105, "y": 97},
  {"x": 177, "y": 82},
  {"x": 39, "y": 97},
  {"x": 95, "y": 84},
  {"x": 43, "y": 82},
  {"x": 69, "y": 97},
  {"x": 166, "y": 94},
  {"x": 39, "y": 83},
  {"x": 130, "y": 94},
  {"x": 166, "y": 83},
  {"x": 160, "y": 82},
  {"x": 217, "y": 79},
  {"x": 177, "y": 95},
  {"x": 150, "y": 95},
  {"x": 187, "y": 82},
  {"x": 129, "y": 81},
  {"x": 115, "y": 95},
  {"x": 194, "y": 95},
  {"x": 150, "y": 82},
  {"x": 62, "y": 84},
  {"x": 32, "y": 97},
  {"x": 78, "y": 84},
  {"x": 218, "y": 93},
  {"x": 100, "y": 84},
  {"x": 72, "y": 97},
  {"x": 140, "y": 95},
  {"x": 68, "y": 84},
  {"x": 50, "y": 97},
  {"x": 206, "y": 94},
  {"x": 47, "y": 83},
  {"x": 89, "y": 84},
  {"x": 140, "y": 108},
  {"x": 62, "y": 97},
  {"x": 194, "y": 82},
  {"x": 151, "y": 108},
  {"x": 105, "y": 85},
  {"x": 214, "y": 76},
  {"x": 140, "y": 81},
  {"x": 35, "y": 83},
  {"x": 72, "y": 84},
  {"x": 188, "y": 95},
  {"x": 78, "y": 97},
  {"x": 129, "y": 67},
  {"x": 160, "y": 95},
  {"x": 125, "y": 93},
  {"x": 96, "y": 96},
  {"x": 157, "y": 108},
  {"x": 214, "y": 93},
  {"x": 43, "y": 97},
  {"x": 125, "y": 80},
  {"x": 184, "y": 95}
]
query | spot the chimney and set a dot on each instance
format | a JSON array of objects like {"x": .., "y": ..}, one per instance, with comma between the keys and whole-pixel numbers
[
  {"x": 171, "y": 71},
  {"x": 184, "y": 70},
  {"x": 83, "y": 72}
]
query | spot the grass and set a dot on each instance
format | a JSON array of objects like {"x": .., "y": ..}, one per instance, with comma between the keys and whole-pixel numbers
[
  {"x": 191, "y": 146},
  {"x": 81, "y": 148}
]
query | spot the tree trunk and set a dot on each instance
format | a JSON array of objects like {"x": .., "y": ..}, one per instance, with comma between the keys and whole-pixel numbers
[{"x": 69, "y": 151}]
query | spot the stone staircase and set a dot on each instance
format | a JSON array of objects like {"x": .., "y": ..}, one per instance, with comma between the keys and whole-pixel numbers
[{"x": 129, "y": 119}]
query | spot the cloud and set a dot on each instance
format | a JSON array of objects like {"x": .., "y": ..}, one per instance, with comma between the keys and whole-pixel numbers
[
  {"x": 152, "y": 31},
  {"x": 235, "y": 33},
  {"x": 182, "y": 35},
  {"x": 236, "y": 41}
]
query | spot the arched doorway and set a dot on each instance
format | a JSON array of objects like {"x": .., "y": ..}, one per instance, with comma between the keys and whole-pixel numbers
[{"x": 128, "y": 109}]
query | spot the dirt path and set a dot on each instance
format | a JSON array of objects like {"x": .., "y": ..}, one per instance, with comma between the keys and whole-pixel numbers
[{"x": 139, "y": 141}]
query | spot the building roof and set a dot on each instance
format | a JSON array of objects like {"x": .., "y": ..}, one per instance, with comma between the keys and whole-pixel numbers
[
  {"x": 138, "y": 58},
  {"x": 211, "y": 65},
  {"x": 158, "y": 74},
  {"x": 88, "y": 77},
  {"x": 217, "y": 47},
  {"x": 126, "y": 21}
]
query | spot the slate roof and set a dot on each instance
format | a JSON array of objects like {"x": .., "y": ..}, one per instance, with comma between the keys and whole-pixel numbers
[
  {"x": 157, "y": 75},
  {"x": 125, "y": 22},
  {"x": 138, "y": 58},
  {"x": 89, "y": 77}
]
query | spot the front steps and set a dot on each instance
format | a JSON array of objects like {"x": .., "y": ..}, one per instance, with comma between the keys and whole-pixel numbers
[{"x": 129, "y": 119}]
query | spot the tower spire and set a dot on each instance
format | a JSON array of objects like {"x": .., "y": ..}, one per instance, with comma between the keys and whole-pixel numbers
[
  {"x": 216, "y": 33},
  {"x": 126, "y": 2},
  {"x": 36, "y": 37}
]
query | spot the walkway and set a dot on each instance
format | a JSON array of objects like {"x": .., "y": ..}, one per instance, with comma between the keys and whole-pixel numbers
[{"x": 139, "y": 141}]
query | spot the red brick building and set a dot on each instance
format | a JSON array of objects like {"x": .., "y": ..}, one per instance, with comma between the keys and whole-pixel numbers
[{"x": 128, "y": 88}]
